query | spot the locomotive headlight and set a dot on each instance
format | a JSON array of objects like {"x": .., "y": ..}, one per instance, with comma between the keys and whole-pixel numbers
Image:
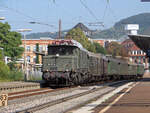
[
  {"x": 47, "y": 70},
  {"x": 67, "y": 70},
  {"x": 57, "y": 55}
]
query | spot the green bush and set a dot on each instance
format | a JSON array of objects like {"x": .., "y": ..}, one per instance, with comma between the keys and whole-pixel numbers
[
  {"x": 12, "y": 66},
  {"x": 16, "y": 75},
  {"x": 6, "y": 74},
  {"x": 99, "y": 48},
  {"x": 4, "y": 71}
]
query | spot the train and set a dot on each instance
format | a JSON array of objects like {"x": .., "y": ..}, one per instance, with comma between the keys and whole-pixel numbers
[{"x": 68, "y": 64}]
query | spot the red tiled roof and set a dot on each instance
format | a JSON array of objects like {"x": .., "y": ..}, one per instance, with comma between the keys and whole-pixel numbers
[{"x": 130, "y": 45}]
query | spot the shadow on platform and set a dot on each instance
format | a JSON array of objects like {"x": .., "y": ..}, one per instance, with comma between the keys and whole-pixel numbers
[{"x": 146, "y": 77}]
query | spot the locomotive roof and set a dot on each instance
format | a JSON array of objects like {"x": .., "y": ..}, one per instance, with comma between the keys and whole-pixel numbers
[{"x": 68, "y": 43}]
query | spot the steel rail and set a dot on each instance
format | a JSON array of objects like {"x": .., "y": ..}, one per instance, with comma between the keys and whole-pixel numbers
[{"x": 52, "y": 103}]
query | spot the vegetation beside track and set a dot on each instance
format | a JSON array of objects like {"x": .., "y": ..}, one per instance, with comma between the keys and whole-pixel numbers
[
  {"x": 7, "y": 74},
  {"x": 10, "y": 42}
]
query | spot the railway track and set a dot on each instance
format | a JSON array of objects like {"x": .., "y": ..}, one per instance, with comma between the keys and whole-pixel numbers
[
  {"x": 34, "y": 92},
  {"x": 27, "y": 93},
  {"x": 68, "y": 98}
]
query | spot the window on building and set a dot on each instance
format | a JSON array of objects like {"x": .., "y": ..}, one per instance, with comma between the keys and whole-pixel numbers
[
  {"x": 46, "y": 48},
  {"x": 143, "y": 59},
  {"x": 139, "y": 59},
  {"x": 28, "y": 58},
  {"x": 134, "y": 52},
  {"x": 135, "y": 60},
  {"x": 28, "y": 48},
  {"x": 34, "y": 48},
  {"x": 41, "y": 48},
  {"x": 139, "y": 52},
  {"x": 34, "y": 59}
]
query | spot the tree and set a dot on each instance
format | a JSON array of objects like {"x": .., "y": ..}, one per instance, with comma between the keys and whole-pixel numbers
[
  {"x": 10, "y": 41},
  {"x": 37, "y": 56},
  {"x": 116, "y": 49},
  {"x": 99, "y": 48},
  {"x": 1, "y": 55},
  {"x": 78, "y": 35}
]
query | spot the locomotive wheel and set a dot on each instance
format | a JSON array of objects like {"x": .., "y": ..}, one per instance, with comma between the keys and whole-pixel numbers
[{"x": 74, "y": 78}]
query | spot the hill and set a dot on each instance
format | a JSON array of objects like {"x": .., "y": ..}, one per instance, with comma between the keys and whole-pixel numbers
[
  {"x": 45, "y": 34},
  {"x": 115, "y": 32}
]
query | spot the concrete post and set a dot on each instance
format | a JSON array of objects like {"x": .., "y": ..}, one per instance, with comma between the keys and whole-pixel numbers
[{"x": 146, "y": 64}]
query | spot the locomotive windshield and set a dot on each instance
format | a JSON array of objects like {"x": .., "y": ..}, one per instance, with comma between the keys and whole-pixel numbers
[{"x": 61, "y": 50}]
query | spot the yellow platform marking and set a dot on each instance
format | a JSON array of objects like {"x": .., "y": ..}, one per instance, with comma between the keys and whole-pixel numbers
[{"x": 117, "y": 99}]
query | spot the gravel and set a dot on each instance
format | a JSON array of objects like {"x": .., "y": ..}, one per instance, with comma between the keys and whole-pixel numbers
[
  {"x": 21, "y": 104},
  {"x": 63, "y": 107},
  {"x": 29, "y": 102}
]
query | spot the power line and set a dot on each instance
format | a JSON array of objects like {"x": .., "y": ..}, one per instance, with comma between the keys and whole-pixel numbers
[
  {"x": 30, "y": 17},
  {"x": 105, "y": 11},
  {"x": 18, "y": 12},
  {"x": 111, "y": 11},
  {"x": 53, "y": 1},
  {"x": 88, "y": 9},
  {"x": 41, "y": 23},
  {"x": 92, "y": 14}
]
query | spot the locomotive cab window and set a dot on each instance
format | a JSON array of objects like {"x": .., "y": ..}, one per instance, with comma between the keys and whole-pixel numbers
[{"x": 61, "y": 50}]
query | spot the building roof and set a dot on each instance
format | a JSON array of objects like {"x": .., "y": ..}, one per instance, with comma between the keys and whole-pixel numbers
[
  {"x": 142, "y": 41},
  {"x": 41, "y": 38},
  {"x": 82, "y": 27},
  {"x": 129, "y": 45}
]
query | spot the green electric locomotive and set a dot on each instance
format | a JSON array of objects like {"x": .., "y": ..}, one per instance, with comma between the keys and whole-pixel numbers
[{"x": 68, "y": 63}]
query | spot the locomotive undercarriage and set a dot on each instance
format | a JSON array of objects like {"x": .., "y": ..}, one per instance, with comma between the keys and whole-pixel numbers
[{"x": 62, "y": 79}]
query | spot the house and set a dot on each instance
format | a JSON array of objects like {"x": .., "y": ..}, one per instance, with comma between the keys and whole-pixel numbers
[
  {"x": 135, "y": 54},
  {"x": 85, "y": 29},
  {"x": 31, "y": 48}
]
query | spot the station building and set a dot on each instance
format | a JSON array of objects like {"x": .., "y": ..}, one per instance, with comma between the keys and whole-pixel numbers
[
  {"x": 136, "y": 55},
  {"x": 31, "y": 48}
]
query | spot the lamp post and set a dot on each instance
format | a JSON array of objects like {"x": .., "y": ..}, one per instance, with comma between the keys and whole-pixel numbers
[
  {"x": 40, "y": 23},
  {"x": 25, "y": 62},
  {"x": 2, "y": 18},
  {"x": 33, "y": 22}
]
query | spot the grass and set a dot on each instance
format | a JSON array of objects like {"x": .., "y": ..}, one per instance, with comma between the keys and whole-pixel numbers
[{"x": 35, "y": 78}]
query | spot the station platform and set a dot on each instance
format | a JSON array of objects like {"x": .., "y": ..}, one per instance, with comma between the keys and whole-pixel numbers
[
  {"x": 6, "y": 87},
  {"x": 16, "y": 84},
  {"x": 133, "y": 99}
]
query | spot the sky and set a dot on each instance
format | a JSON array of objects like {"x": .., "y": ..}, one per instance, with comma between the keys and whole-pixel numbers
[{"x": 19, "y": 13}]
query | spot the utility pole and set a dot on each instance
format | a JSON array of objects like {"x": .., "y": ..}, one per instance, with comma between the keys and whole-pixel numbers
[
  {"x": 59, "y": 29},
  {"x": 25, "y": 61}
]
